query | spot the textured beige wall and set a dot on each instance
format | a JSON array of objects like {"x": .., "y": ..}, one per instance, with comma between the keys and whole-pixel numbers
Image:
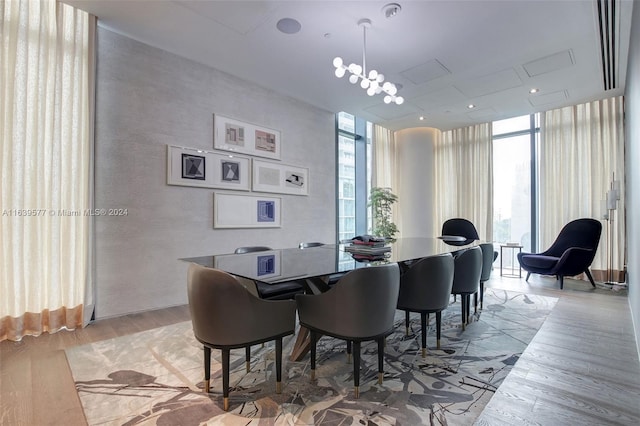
[{"x": 148, "y": 98}]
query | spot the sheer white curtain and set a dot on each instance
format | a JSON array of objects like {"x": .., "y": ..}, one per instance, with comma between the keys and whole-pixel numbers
[
  {"x": 463, "y": 176},
  {"x": 45, "y": 163},
  {"x": 581, "y": 147},
  {"x": 383, "y": 174}
]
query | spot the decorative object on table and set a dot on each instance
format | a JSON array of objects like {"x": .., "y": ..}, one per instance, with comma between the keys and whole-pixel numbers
[
  {"x": 279, "y": 178},
  {"x": 207, "y": 169},
  {"x": 610, "y": 205},
  {"x": 157, "y": 376},
  {"x": 245, "y": 138},
  {"x": 570, "y": 254},
  {"x": 246, "y": 211},
  {"x": 373, "y": 81},
  {"x": 365, "y": 247},
  {"x": 381, "y": 201}
]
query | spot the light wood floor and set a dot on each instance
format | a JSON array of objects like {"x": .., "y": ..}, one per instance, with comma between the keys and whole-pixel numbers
[{"x": 581, "y": 368}]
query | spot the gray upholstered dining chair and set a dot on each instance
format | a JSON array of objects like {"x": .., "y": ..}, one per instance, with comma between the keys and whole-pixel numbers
[
  {"x": 225, "y": 316},
  {"x": 426, "y": 288},
  {"x": 466, "y": 278},
  {"x": 359, "y": 308},
  {"x": 488, "y": 257},
  {"x": 280, "y": 291}
]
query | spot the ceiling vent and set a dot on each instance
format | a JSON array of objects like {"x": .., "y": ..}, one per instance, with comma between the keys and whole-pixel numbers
[{"x": 608, "y": 21}]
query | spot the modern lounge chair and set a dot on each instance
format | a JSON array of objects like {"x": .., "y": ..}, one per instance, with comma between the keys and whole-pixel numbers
[{"x": 570, "y": 254}]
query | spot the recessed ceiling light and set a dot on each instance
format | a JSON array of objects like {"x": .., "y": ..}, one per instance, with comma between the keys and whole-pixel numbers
[
  {"x": 471, "y": 106},
  {"x": 534, "y": 90},
  {"x": 288, "y": 26},
  {"x": 390, "y": 10},
  {"x": 421, "y": 118}
]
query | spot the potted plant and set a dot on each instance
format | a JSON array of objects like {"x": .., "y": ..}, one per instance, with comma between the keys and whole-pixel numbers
[{"x": 381, "y": 200}]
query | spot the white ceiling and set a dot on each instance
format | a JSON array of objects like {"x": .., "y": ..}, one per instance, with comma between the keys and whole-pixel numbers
[{"x": 445, "y": 54}]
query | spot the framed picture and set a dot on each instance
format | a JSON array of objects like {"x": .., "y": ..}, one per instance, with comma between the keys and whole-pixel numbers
[
  {"x": 193, "y": 167},
  {"x": 279, "y": 178},
  {"x": 246, "y": 211},
  {"x": 207, "y": 169},
  {"x": 245, "y": 138}
]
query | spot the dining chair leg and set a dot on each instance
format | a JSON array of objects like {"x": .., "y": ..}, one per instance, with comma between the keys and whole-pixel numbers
[
  {"x": 528, "y": 275},
  {"x": 406, "y": 322},
  {"x": 438, "y": 328},
  {"x": 248, "y": 358},
  {"x": 207, "y": 368},
  {"x": 380, "y": 360},
  {"x": 279, "y": 365},
  {"x": 463, "y": 310},
  {"x": 481, "y": 294},
  {"x": 348, "y": 351},
  {"x": 475, "y": 303},
  {"x": 356, "y": 368},
  {"x": 423, "y": 324},
  {"x": 314, "y": 339},
  {"x": 225, "y": 378},
  {"x": 468, "y": 313}
]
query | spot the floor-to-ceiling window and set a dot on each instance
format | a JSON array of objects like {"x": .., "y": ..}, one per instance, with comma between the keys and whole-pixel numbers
[
  {"x": 514, "y": 182},
  {"x": 354, "y": 175}
]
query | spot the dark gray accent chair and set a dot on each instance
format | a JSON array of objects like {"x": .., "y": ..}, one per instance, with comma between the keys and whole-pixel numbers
[
  {"x": 466, "y": 278},
  {"x": 359, "y": 308},
  {"x": 570, "y": 254},
  {"x": 225, "y": 316},
  {"x": 279, "y": 291},
  {"x": 426, "y": 288}
]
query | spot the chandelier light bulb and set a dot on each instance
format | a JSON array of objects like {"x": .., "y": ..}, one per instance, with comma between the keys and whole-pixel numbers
[
  {"x": 340, "y": 72},
  {"x": 392, "y": 89},
  {"x": 399, "y": 100},
  {"x": 364, "y": 83},
  {"x": 387, "y": 99},
  {"x": 380, "y": 78},
  {"x": 337, "y": 62},
  {"x": 352, "y": 68},
  {"x": 373, "y": 74},
  {"x": 378, "y": 90},
  {"x": 386, "y": 86},
  {"x": 371, "y": 91},
  {"x": 353, "y": 79}
]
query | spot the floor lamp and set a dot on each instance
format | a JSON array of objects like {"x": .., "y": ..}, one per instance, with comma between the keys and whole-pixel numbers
[{"x": 611, "y": 205}]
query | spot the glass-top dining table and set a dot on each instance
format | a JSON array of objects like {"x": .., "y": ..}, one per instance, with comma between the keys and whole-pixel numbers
[
  {"x": 282, "y": 265},
  {"x": 313, "y": 266}
]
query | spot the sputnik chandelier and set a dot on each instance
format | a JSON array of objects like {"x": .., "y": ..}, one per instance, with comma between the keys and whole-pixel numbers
[{"x": 373, "y": 82}]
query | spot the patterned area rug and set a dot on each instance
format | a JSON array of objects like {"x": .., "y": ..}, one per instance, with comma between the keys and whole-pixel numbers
[{"x": 155, "y": 377}]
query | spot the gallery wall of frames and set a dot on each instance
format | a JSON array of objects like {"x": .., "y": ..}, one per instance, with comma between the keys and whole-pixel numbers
[{"x": 245, "y": 157}]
